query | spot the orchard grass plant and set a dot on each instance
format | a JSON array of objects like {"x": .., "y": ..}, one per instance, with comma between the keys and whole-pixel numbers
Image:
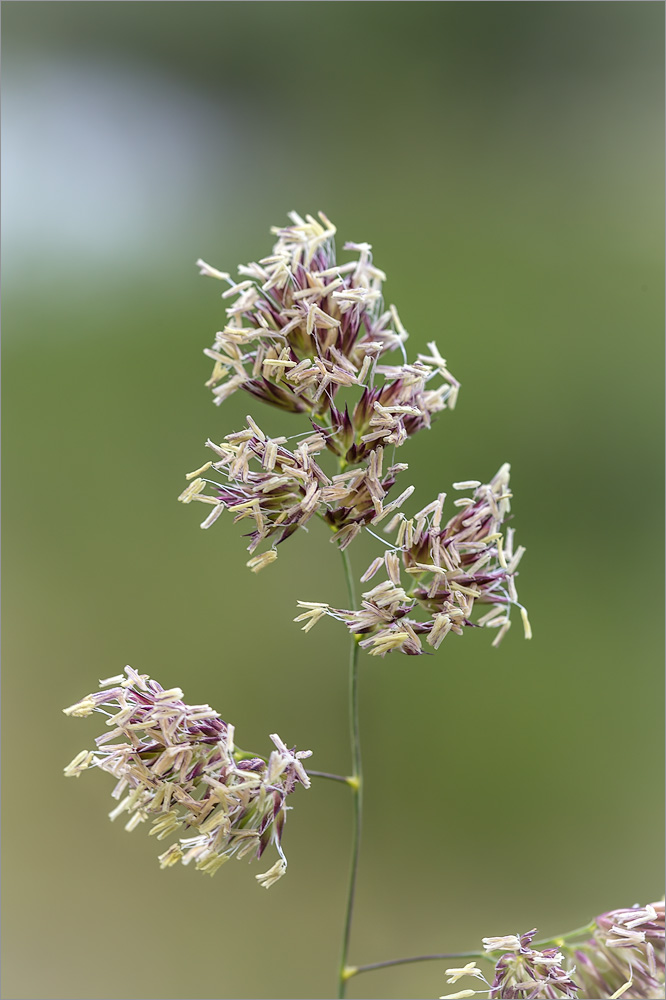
[{"x": 310, "y": 336}]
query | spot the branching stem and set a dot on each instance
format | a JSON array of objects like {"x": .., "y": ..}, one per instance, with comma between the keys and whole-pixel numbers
[
  {"x": 356, "y": 970},
  {"x": 331, "y": 777},
  {"x": 559, "y": 941}
]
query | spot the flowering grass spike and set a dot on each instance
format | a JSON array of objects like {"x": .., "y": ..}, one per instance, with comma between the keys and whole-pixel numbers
[
  {"x": 177, "y": 766},
  {"x": 302, "y": 329},
  {"x": 623, "y": 958},
  {"x": 627, "y": 947},
  {"x": 448, "y": 569}
]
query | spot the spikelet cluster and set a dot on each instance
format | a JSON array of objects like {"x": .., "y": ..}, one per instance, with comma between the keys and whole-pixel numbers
[
  {"x": 436, "y": 575},
  {"x": 524, "y": 971},
  {"x": 277, "y": 490},
  {"x": 623, "y": 958},
  {"x": 302, "y": 329},
  {"x": 627, "y": 947},
  {"x": 176, "y": 766},
  {"x": 302, "y": 326}
]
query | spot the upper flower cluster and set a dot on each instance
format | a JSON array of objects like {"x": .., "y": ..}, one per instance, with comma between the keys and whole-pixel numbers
[
  {"x": 449, "y": 568},
  {"x": 177, "y": 765},
  {"x": 309, "y": 335},
  {"x": 302, "y": 327}
]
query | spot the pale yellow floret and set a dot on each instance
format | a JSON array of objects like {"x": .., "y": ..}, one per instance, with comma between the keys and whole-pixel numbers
[
  {"x": 400, "y": 330},
  {"x": 259, "y": 562},
  {"x": 372, "y": 569},
  {"x": 392, "y": 567},
  {"x": 467, "y": 970},
  {"x": 622, "y": 990},
  {"x": 441, "y": 628},
  {"x": 164, "y": 826},
  {"x": 171, "y": 856},
  {"x": 138, "y": 817},
  {"x": 526, "y": 623},
  {"x": 209, "y": 863},
  {"x": 269, "y": 878},
  {"x": 508, "y": 942},
  {"x": 84, "y": 707},
  {"x": 237, "y": 287},
  {"x": 498, "y": 609},
  {"x": 519, "y": 553},
  {"x": 82, "y": 761},
  {"x": 314, "y": 613},
  {"x": 383, "y": 512},
  {"x": 244, "y": 505},
  {"x": 173, "y": 694},
  {"x": 192, "y": 490},
  {"x": 197, "y": 472},
  {"x": 278, "y": 363},
  {"x": 384, "y": 642},
  {"x": 213, "y": 516},
  {"x": 255, "y": 427},
  {"x": 212, "y": 272},
  {"x": 112, "y": 681},
  {"x": 500, "y": 635}
]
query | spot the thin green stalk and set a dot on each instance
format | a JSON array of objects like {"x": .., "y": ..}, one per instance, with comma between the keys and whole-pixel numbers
[
  {"x": 355, "y": 971},
  {"x": 332, "y": 777},
  {"x": 558, "y": 942},
  {"x": 356, "y": 783},
  {"x": 246, "y": 755}
]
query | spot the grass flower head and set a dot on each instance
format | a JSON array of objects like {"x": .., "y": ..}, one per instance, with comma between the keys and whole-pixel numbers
[{"x": 176, "y": 765}]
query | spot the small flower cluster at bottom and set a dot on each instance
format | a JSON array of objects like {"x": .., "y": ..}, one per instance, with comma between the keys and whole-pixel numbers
[
  {"x": 177, "y": 764},
  {"x": 627, "y": 946},
  {"x": 623, "y": 958},
  {"x": 521, "y": 972}
]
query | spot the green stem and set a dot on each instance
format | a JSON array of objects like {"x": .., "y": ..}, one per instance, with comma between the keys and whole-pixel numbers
[
  {"x": 356, "y": 970},
  {"x": 356, "y": 784},
  {"x": 555, "y": 942},
  {"x": 332, "y": 777},
  {"x": 559, "y": 941},
  {"x": 246, "y": 755}
]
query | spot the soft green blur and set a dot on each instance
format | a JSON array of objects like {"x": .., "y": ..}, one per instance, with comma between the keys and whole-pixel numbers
[{"x": 505, "y": 160}]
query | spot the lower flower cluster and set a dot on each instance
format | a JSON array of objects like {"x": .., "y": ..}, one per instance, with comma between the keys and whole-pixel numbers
[
  {"x": 524, "y": 971},
  {"x": 627, "y": 945},
  {"x": 623, "y": 958},
  {"x": 176, "y": 765}
]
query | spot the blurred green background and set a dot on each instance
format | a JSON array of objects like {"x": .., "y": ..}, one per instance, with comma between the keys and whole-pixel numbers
[{"x": 505, "y": 160}]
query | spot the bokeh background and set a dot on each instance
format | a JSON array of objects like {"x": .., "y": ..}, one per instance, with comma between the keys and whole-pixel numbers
[{"x": 505, "y": 159}]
